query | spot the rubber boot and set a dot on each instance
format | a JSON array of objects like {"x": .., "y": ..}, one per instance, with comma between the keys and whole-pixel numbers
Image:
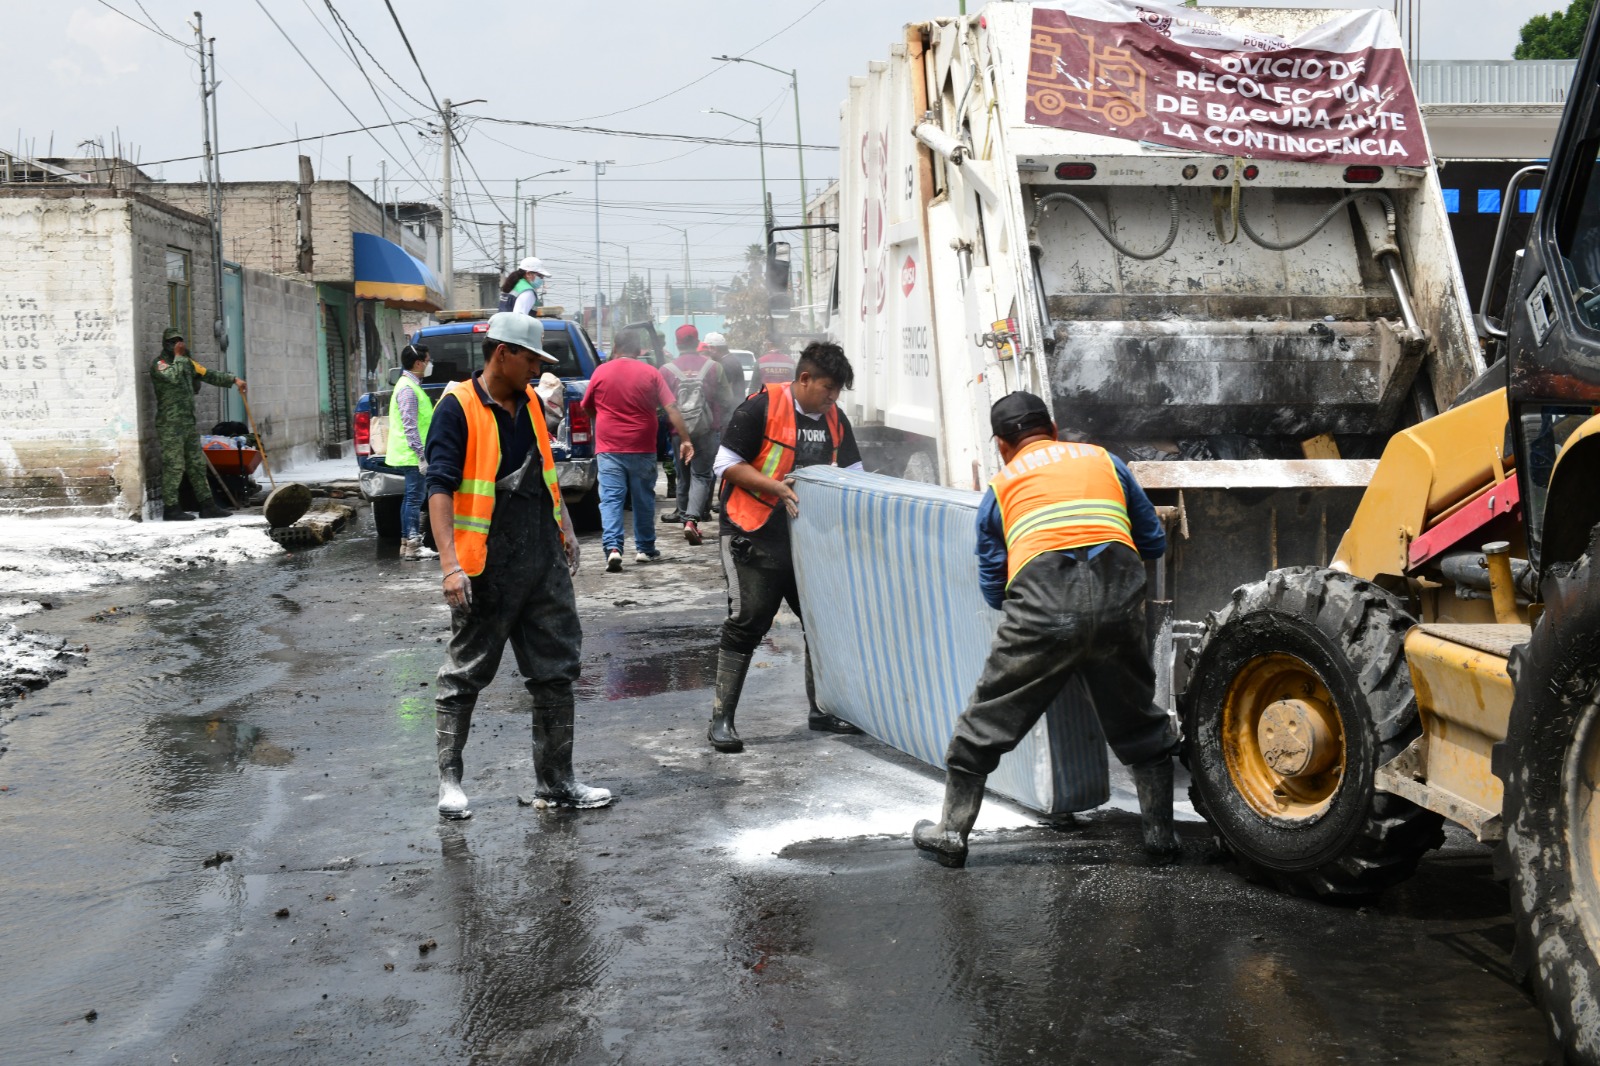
[
  {"x": 450, "y": 731},
  {"x": 732, "y": 666},
  {"x": 819, "y": 719},
  {"x": 409, "y": 548},
  {"x": 172, "y": 514},
  {"x": 947, "y": 840},
  {"x": 555, "y": 785},
  {"x": 209, "y": 509},
  {"x": 1154, "y": 783}
]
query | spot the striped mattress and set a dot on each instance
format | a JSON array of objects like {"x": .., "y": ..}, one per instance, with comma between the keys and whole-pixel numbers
[{"x": 891, "y": 564}]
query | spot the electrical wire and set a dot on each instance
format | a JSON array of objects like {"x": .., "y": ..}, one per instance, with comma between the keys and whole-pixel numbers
[
  {"x": 413, "y": 53},
  {"x": 312, "y": 67},
  {"x": 338, "y": 22},
  {"x": 292, "y": 140},
  {"x": 346, "y": 28},
  {"x": 730, "y": 142}
]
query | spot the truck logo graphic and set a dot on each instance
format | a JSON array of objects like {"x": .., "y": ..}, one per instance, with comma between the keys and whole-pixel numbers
[
  {"x": 1068, "y": 70},
  {"x": 908, "y": 276}
]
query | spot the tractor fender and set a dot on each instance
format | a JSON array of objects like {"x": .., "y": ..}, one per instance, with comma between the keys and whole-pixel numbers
[{"x": 1572, "y": 506}]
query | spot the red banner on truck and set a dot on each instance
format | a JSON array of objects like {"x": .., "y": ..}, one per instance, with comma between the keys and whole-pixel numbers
[{"x": 1338, "y": 93}]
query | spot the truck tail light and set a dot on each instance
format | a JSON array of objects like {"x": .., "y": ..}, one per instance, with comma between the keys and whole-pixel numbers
[
  {"x": 1251, "y": 172},
  {"x": 1363, "y": 175},
  {"x": 1075, "y": 171},
  {"x": 480, "y": 327},
  {"x": 363, "y": 433},
  {"x": 578, "y": 431}
]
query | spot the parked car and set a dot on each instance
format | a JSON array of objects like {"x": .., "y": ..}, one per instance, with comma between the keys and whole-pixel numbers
[
  {"x": 748, "y": 361},
  {"x": 456, "y": 347}
]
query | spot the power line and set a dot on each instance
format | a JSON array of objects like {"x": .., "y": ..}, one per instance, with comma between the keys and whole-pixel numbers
[
  {"x": 368, "y": 130},
  {"x": 151, "y": 26},
  {"x": 292, "y": 140},
  {"x": 339, "y": 23},
  {"x": 728, "y": 142},
  {"x": 413, "y": 53},
  {"x": 349, "y": 30}
]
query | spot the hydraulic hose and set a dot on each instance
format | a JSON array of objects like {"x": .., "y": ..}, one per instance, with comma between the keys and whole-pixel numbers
[
  {"x": 1105, "y": 230},
  {"x": 1284, "y": 246}
]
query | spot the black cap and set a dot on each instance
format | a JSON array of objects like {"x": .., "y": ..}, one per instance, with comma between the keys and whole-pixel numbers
[{"x": 1017, "y": 413}]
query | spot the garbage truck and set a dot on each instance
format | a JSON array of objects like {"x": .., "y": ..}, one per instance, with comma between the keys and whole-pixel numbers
[{"x": 1213, "y": 240}]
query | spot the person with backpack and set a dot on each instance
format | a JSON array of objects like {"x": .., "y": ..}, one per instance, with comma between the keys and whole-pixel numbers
[{"x": 702, "y": 391}]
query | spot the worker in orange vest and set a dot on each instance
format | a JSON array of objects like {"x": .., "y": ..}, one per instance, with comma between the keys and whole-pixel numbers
[
  {"x": 509, "y": 564},
  {"x": 778, "y": 429},
  {"x": 1061, "y": 532}
]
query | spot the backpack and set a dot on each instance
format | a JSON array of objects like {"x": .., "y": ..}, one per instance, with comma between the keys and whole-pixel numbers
[
  {"x": 508, "y": 301},
  {"x": 692, "y": 401}
]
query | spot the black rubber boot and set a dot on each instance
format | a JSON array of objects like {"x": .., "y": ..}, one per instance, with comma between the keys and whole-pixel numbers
[
  {"x": 1154, "y": 783},
  {"x": 450, "y": 731},
  {"x": 821, "y": 720},
  {"x": 209, "y": 509},
  {"x": 555, "y": 785},
  {"x": 947, "y": 840},
  {"x": 732, "y": 666},
  {"x": 172, "y": 514}
]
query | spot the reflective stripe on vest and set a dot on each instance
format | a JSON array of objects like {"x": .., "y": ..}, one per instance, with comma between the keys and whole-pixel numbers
[
  {"x": 399, "y": 452},
  {"x": 1054, "y": 496},
  {"x": 750, "y": 510},
  {"x": 474, "y": 497}
]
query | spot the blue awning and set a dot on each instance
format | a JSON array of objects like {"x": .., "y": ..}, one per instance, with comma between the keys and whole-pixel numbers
[{"x": 385, "y": 271}]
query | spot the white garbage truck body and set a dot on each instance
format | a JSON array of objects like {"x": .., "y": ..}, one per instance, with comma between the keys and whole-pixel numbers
[{"x": 1149, "y": 270}]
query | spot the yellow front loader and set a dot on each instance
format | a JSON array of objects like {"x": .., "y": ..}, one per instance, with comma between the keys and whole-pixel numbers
[{"x": 1446, "y": 664}]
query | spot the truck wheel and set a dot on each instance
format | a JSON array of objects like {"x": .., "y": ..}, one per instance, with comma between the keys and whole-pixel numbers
[
  {"x": 1299, "y": 692},
  {"x": 1550, "y": 763},
  {"x": 386, "y": 517}
]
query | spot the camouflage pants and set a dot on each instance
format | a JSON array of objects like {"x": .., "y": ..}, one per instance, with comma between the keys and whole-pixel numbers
[{"x": 180, "y": 455}]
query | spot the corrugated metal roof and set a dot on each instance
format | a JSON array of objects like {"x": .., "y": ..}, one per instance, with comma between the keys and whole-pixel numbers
[{"x": 1494, "y": 81}]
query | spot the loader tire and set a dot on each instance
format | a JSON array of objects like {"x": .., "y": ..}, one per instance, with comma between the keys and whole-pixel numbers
[
  {"x": 1319, "y": 654},
  {"x": 1550, "y": 764}
]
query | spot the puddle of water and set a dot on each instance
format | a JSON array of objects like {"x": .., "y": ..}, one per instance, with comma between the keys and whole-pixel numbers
[
  {"x": 670, "y": 670},
  {"x": 212, "y": 744}
]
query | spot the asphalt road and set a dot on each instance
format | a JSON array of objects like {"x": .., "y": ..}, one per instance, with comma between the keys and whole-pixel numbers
[{"x": 766, "y": 907}]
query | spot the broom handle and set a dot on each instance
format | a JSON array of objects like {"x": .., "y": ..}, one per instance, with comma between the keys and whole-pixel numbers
[{"x": 266, "y": 465}]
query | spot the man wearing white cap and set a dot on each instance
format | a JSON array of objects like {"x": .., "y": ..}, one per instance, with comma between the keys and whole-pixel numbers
[
  {"x": 716, "y": 347},
  {"x": 529, "y": 292},
  {"x": 508, "y": 565}
]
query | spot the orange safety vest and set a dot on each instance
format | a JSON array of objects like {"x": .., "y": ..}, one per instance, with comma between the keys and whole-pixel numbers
[
  {"x": 1053, "y": 496},
  {"x": 474, "y": 499},
  {"x": 750, "y": 510}
]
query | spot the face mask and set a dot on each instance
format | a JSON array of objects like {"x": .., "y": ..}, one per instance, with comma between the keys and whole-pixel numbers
[{"x": 427, "y": 369}]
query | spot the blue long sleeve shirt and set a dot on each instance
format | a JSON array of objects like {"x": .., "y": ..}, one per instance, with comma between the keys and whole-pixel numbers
[{"x": 1148, "y": 536}]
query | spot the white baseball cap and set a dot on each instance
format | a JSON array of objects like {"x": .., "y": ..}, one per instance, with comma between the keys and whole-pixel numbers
[
  {"x": 533, "y": 265},
  {"x": 714, "y": 340},
  {"x": 524, "y": 331}
]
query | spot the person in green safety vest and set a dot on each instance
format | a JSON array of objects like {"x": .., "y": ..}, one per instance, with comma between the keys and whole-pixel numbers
[{"x": 410, "y": 411}]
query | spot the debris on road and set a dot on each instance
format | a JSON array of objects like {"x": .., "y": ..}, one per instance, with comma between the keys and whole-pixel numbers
[
  {"x": 218, "y": 859},
  {"x": 325, "y": 519},
  {"x": 427, "y": 946},
  {"x": 29, "y": 662}
]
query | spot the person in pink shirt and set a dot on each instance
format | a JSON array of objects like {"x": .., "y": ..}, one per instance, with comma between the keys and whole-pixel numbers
[{"x": 625, "y": 393}]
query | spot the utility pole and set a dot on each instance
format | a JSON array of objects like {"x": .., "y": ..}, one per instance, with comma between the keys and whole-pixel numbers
[
  {"x": 208, "y": 91},
  {"x": 447, "y": 250},
  {"x": 599, "y": 281},
  {"x": 516, "y": 213},
  {"x": 383, "y": 201}
]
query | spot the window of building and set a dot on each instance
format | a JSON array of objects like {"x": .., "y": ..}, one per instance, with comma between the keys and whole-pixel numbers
[
  {"x": 180, "y": 292},
  {"x": 1488, "y": 201}
]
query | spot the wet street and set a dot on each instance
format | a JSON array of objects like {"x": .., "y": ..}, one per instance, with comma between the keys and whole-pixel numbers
[{"x": 221, "y": 847}]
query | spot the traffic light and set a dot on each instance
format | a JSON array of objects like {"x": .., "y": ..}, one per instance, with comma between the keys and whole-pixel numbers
[{"x": 778, "y": 278}]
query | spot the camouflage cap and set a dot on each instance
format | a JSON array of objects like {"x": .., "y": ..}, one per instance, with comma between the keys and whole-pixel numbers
[{"x": 171, "y": 333}]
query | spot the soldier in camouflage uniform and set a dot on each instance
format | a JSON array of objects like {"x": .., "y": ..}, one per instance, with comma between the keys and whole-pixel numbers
[{"x": 177, "y": 378}]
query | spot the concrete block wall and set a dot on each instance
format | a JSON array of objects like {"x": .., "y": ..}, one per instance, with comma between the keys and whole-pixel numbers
[
  {"x": 260, "y": 223},
  {"x": 83, "y": 301},
  {"x": 280, "y": 338}
]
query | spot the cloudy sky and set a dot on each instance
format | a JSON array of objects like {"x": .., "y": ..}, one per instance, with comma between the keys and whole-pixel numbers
[{"x": 96, "y": 70}]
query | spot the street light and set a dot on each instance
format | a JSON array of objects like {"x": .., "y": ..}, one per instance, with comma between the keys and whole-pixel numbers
[
  {"x": 794, "y": 84},
  {"x": 688, "y": 278},
  {"x": 516, "y": 207},
  {"x": 533, "y": 207},
  {"x": 599, "y": 283},
  {"x": 761, "y": 146},
  {"x": 627, "y": 250}
]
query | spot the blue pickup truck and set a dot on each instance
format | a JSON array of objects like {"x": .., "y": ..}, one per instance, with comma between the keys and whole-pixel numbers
[{"x": 456, "y": 346}]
